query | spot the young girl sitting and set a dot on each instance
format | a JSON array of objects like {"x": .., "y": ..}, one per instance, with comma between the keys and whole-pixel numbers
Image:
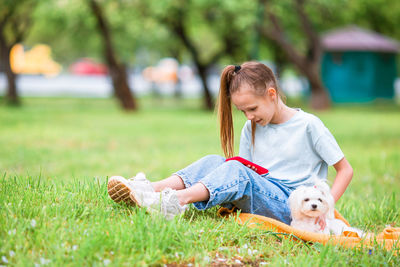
[{"x": 293, "y": 145}]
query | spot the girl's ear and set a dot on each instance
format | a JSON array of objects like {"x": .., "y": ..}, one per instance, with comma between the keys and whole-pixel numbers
[{"x": 271, "y": 92}]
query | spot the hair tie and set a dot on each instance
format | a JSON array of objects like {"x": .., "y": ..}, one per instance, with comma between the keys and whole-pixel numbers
[{"x": 237, "y": 68}]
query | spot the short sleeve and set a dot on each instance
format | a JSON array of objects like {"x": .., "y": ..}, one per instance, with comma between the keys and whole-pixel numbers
[
  {"x": 245, "y": 142},
  {"x": 326, "y": 145}
]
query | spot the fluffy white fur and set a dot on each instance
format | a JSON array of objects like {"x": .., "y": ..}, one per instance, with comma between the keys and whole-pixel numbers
[{"x": 308, "y": 203}]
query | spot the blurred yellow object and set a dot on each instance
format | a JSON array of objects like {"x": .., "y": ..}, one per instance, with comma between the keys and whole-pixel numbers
[{"x": 35, "y": 61}]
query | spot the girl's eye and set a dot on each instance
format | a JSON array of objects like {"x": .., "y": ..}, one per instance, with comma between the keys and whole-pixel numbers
[
  {"x": 307, "y": 199},
  {"x": 320, "y": 200},
  {"x": 253, "y": 109}
]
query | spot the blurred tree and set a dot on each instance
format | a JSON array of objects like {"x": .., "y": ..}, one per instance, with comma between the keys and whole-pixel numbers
[
  {"x": 116, "y": 69},
  {"x": 307, "y": 62},
  {"x": 65, "y": 31},
  {"x": 295, "y": 25},
  {"x": 15, "y": 22},
  {"x": 75, "y": 34},
  {"x": 209, "y": 31},
  {"x": 382, "y": 16}
]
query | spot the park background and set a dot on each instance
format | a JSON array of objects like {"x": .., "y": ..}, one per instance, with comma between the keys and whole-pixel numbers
[{"x": 91, "y": 89}]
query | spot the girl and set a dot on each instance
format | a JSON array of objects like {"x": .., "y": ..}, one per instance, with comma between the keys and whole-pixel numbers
[{"x": 295, "y": 146}]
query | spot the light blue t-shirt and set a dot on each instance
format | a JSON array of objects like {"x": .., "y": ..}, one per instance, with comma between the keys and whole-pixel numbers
[{"x": 295, "y": 152}]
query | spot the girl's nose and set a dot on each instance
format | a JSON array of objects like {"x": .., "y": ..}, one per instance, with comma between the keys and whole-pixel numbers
[{"x": 250, "y": 117}]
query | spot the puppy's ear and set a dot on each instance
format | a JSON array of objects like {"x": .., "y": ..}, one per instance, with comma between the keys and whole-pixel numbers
[
  {"x": 326, "y": 191},
  {"x": 322, "y": 186},
  {"x": 295, "y": 199}
]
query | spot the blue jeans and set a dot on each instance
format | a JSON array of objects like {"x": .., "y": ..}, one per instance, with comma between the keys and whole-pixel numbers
[{"x": 231, "y": 183}]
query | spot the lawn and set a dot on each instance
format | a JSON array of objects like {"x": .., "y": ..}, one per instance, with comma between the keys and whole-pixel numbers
[{"x": 56, "y": 156}]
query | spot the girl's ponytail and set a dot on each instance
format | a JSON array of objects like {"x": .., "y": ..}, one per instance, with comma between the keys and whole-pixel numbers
[{"x": 225, "y": 112}]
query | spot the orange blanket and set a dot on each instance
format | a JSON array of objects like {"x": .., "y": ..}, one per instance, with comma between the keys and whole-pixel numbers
[{"x": 389, "y": 238}]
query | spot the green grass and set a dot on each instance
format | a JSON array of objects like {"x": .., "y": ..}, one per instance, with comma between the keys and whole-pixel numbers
[{"x": 56, "y": 156}]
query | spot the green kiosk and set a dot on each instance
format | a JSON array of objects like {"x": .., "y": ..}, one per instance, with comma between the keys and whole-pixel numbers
[{"x": 358, "y": 65}]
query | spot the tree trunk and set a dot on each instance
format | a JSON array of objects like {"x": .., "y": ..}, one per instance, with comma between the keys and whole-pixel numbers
[
  {"x": 308, "y": 65},
  {"x": 319, "y": 97},
  {"x": 208, "y": 101},
  {"x": 177, "y": 27},
  {"x": 121, "y": 87},
  {"x": 12, "y": 94},
  {"x": 116, "y": 69}
]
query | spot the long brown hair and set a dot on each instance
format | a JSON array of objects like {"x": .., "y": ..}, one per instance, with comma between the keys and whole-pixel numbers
[{"x": 256, "y": 75}]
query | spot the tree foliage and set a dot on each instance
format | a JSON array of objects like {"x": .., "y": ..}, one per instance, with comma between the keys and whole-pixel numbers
[{"x": 203, "y": 32}]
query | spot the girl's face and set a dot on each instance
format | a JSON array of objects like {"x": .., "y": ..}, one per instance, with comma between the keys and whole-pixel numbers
[{"x": 259, "y": 109}]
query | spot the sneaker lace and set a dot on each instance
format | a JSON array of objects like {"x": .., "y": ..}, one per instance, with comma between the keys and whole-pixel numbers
[{"x": 140, "y": 177}]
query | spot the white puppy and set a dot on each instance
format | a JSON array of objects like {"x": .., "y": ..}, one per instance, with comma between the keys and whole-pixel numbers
[{"x": 308, "y": 203}]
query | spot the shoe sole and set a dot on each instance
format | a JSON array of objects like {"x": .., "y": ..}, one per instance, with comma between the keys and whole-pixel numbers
[{"x": 119, "y": 191}]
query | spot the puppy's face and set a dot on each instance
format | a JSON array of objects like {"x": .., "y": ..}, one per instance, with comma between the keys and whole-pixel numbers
[
  {"x": 308, "y": 201},
  {"x": 313, "y": 202}
]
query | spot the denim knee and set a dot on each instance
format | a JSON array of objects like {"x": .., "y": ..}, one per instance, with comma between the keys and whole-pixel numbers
[
  {"x": 213, "y": 158},
  {"x": 228, "y": 182},
  {"x": 199, "y": 169},
  {"x": 234, "y": 173}
]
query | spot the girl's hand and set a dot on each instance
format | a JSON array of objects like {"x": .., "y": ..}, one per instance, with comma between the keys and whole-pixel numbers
[{"x": 321, "y": 221}]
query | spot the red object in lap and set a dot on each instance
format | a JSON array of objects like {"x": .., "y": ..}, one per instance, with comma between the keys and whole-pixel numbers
[{"x": 257, "y": 168}]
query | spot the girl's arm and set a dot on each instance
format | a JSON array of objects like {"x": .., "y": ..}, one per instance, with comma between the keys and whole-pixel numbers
[{"x": 344, "y": 173}]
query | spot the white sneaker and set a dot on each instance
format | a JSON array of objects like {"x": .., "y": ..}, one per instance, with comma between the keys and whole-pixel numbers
[
  {"x": 119, "y": 188},
  {"x": 165, "y": 202}
]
